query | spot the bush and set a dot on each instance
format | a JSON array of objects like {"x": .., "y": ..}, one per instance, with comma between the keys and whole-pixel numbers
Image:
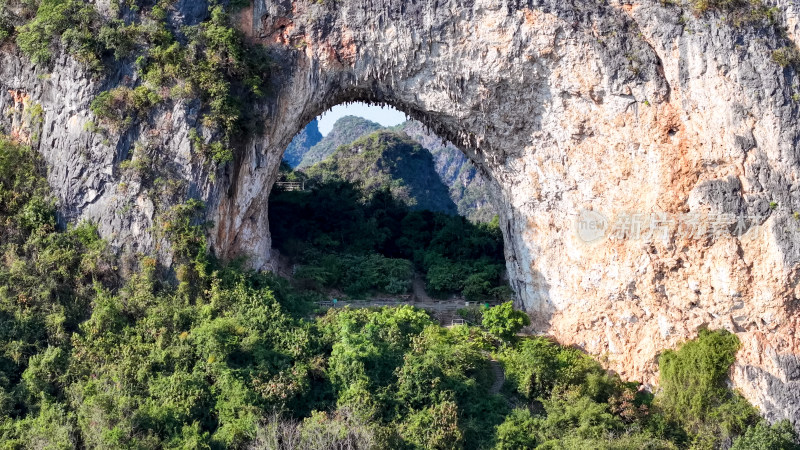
[
  {"x": 534, "y": 367},
  {"x": 786, "y": 57},
  {"x": 358, "y": 275},
  {"x": 694, "y": 391},
  {"x": 477, "y": 286},
  {"x": 120, "y": 38},
  {"x": 6, "y": 24},
  {"x": 446, "y": 277},
  {"x": 182, "y": 225},
  {"x": 19, "y": 178},
  {"x": 473, "y": 314},
  {"x": 572, "y": 414},
  {"x": 52, "y": 428},
  {"x": 120, "y": 106},
  {"x": 762, "y": 436},
  {"x": 722, "y": 5},
  {"x": 518, "y": 431},
  {"x": 340, "y": 429},
  {"x": 435, "y": 427},
  {"x": 72, "y": 23}
]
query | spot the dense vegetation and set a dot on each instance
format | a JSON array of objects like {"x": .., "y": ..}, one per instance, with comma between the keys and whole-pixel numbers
[
  {"x": 361, "y": 243},
  {"x": 221, "y": 358},
  {"x": 210, "y": 356}
]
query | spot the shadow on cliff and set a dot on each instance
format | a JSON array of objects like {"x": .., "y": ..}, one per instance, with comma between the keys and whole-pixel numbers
[
  {"x": 542, "y": 310},
  {"x": 531, "y": 287},
  {"x": 780, "y": 395}
]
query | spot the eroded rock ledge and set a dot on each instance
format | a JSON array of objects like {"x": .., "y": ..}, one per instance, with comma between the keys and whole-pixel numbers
[{"x": 643, "y": 113}]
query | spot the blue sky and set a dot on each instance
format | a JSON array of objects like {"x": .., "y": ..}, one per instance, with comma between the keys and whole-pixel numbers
[{"x": 386, "y": 116}]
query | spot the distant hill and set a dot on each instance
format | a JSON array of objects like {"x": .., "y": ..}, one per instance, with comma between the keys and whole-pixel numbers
[
  {"x": 302, "y": 143},
  {"x": 467, "y": 190},
  {"x": 389, "y": 159},
  {"x": 345, "y": 131}
]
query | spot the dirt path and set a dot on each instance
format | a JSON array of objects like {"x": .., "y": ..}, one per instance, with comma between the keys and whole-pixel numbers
[
  {"x": 432, "y": 305},
  {"x": 418, "y": 289},
  {"x": 499, "y": 376}
]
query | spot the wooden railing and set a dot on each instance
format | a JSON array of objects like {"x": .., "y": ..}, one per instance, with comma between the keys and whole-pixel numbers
[{"x": 291, "y": 185}]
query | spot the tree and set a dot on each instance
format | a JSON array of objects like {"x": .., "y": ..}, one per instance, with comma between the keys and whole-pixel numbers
[
  {"x": 435, "y": 427},
  {"x": 504, "y": 321},
  {"x": 518, "y": 431},
  {"x": 779, "y": 436}
]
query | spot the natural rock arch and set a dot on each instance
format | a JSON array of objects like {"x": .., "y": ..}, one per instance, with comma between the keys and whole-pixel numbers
[
  {"x": 487, "y": 93},
  {"x": 563, "y": 106}
]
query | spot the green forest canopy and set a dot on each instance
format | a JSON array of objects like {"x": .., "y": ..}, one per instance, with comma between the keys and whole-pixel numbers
[
  {"x": 225, "y": 358},
  {"x": 362, "y": 242}
]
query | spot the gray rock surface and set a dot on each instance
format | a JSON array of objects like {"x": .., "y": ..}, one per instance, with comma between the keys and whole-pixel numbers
[
  {"x": 644, "y": 113},
  {"x": 467, "y": 187},
  {"x": 302, "y": 143}
]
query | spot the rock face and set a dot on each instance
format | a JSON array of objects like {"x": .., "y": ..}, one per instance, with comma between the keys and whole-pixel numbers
[
  {"x": 643, "y": 158},
  {"x": 302, "y": 143},
  {"x": 467, "y": 187}
]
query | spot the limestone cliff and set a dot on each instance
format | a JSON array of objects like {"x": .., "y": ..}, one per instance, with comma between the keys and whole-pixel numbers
[
  {"x": 642, "y": 156},
  {"x": 302, "y": 143}
]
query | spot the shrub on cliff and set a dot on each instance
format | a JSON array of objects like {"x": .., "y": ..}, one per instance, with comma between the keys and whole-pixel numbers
[
  {"x": 723, "y": 5},
  {"x": 215, "y": 65},
  {"x": 70, "y": 23},
  {"x": 694, "y": 390},
  {"x": 120, "y": 106},
  {"x": 787, "y": 57},
  {"x": 210, "y": 61},
  {"x": 6, "y": 29}
]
